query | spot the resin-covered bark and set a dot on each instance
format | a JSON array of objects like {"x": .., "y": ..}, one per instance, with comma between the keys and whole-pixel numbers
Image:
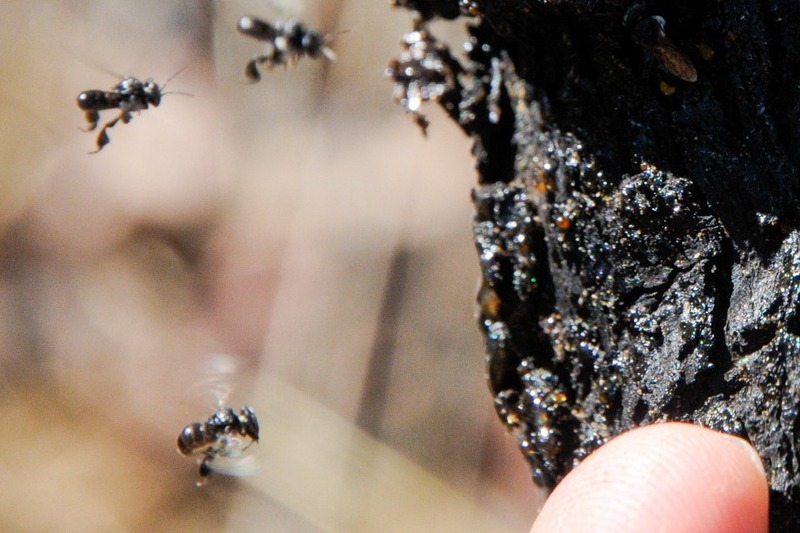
[{"x": 636, "y": 219}]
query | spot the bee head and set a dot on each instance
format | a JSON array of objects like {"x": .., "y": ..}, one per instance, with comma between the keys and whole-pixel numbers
[
  {"x": 152, "y": 92},
  {"x": 249, "y": 422},
  {"x": 312, "y": 43}
]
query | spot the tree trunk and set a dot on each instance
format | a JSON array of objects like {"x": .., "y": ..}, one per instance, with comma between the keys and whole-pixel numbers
[{"x": 636, "y": 219}]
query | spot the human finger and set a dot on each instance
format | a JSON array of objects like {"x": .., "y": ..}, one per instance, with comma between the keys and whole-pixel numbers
[{"x": 665, "y": 477}]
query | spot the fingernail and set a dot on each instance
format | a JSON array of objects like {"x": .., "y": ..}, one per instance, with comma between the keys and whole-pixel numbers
[{"x": 752, "y": 454}]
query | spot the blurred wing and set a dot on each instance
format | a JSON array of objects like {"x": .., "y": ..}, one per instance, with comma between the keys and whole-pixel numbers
[
  {"x": 219, "y": 377},
  {"x": 286, "y": 8},
  {"x": 234, "y": 466},
  {"x": 232, "y": 445}
]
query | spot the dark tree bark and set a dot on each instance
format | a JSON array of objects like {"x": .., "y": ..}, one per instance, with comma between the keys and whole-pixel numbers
[{"x": 636, "y": 219}]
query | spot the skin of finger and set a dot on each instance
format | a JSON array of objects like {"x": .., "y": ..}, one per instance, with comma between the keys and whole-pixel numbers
[{"x": 667, "y": 477}]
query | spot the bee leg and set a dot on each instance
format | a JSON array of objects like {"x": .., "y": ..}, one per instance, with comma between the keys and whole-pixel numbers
[
  {"x": 422, "y": 121},
  {"x": 92, "y": 117},
  {"x": 205, "y": 470},
  {"x": 271, "y": 58},
  {"x": 203, "y": 475},
  {"x": 103, "y": 138},
  {"x": 251, "y": 70}
]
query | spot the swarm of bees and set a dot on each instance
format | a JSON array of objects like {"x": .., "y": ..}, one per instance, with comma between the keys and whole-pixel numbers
[
  {"x": 129, "y": 95},
  {"x": 421, "y": 73},
  {"x": 225, "y": 434},
  {"x": 286, "y": 43}
]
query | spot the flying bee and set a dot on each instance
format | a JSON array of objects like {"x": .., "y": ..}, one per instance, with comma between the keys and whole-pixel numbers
[
  {"x": 220, "y": 442},
  {"x": 286, "y": 42},
  {"x": 224, "y": 434},
  {"x": 129, "y": 96}
]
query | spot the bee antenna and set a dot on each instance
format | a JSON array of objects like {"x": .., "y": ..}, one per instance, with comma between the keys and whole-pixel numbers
[
  {"x": 182, "y": 93},
  {"x": 327, "y": 52},
  {"x": 164, "y": 85},
  {"x": 330, "y": 36}
]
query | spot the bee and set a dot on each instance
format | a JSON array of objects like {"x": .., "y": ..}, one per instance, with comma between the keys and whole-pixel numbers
[
  {"x": 469, "y": 8},
  {"x": 422, "y": 73},
  {"x": 650, "y": 33},
  {"x": 220, "y": 441},
  {"x": 129, "y": 95},
  {"x": 224, "y": 434},
  {"x": 286, "y": 42}
]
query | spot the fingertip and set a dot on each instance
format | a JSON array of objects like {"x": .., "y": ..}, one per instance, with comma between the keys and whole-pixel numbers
[{"x": 670, "y": 477}]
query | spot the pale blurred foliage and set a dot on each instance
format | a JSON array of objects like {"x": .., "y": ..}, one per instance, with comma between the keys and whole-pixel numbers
[{"x": 266, "y": 220}]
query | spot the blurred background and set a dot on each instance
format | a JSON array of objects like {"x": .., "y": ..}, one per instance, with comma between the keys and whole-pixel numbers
[{"x": 301, "y": 225}]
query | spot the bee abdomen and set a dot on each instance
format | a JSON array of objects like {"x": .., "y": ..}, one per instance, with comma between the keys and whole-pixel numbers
[
  {"x": 257, "y": 29},
  {"x": 95, "y": 101},
  {"x": 192, "y": 437}
]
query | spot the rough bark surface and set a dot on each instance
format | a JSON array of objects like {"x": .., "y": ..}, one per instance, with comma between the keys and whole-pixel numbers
[{"x": 636, "y": 219}]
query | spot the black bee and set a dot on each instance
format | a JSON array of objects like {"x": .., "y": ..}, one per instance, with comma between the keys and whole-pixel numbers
[
  {"x": 650, "y": 33},
  {"x": 286, "y": 43},
  {"x": 129, "y": 95},
  {"x": 422, "y": 73},
  {"x": 223, "y": 434},
  {"x": 469, "y": 8}
]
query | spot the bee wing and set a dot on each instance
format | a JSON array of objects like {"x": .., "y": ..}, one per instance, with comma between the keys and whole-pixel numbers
[
  {"x": 234, "y": 466},
  {"x": 93, "y": 64},
  {"x": 285, "y": 9},
  {"x": 219, "y": 376},
  {"x": 232, "y": 445}
]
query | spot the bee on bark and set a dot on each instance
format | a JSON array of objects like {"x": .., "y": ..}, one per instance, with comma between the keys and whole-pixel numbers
[
  {"x": 225, "y": 434},
  {"x": 469, "y": 8},
  {"x": 650, "y": 33},
  {"x": 286, "y": 43},
  {"x": 130, "y": 95},
  {"x": 423, "y": 72}
]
